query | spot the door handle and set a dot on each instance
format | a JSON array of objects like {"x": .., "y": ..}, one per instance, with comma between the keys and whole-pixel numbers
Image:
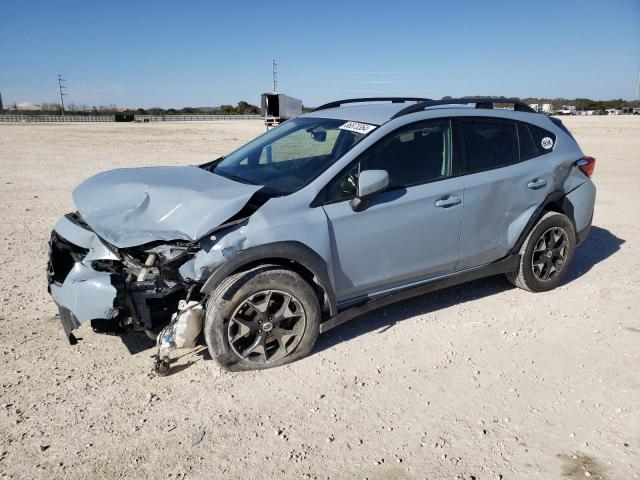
[
  {"x": 537, "y": 183},
  {"x": 448, "y": 201}
]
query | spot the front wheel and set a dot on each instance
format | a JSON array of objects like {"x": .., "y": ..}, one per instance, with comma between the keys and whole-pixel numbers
[
  {"x": 261, "y": 318},
  {"x": 546, "y": 254}
]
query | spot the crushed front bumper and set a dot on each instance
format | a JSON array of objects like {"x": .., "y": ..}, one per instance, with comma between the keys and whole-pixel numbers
[
  {"x": 90, "y": 280},
  {"x": 81, "y": 292}
]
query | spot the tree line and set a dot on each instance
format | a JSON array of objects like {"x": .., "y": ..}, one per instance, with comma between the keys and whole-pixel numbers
[
  {"x": 245, "y": 108},
  {"x": 242, "y": 108}
]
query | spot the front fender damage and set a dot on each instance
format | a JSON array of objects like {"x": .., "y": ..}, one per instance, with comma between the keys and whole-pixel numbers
[{"x": 215, "y": 250}]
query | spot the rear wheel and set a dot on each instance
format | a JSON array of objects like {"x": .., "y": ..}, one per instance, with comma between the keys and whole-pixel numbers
[
  {"x": 261, "y": 318},
  {"x": 546, "y": 254}
]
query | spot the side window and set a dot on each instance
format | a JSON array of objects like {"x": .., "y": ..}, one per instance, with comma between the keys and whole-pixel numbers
[
  {"x": 490, "y": 143},
  {"x": 534, "y": 141},
  {"x": 418, "y": 153},
  {"x": 544, "y": 139},
  {"x": 527, "y": 144}
]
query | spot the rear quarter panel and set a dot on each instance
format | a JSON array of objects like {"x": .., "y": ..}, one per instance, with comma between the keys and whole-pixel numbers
[{"x": 582, "y": 201}]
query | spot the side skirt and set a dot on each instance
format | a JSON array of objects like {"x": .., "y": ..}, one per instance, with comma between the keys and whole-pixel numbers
[{"x": 506, "y": 265}]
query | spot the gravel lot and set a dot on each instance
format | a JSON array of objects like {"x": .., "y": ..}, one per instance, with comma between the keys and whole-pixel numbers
[{"x": 479, "y": 381}]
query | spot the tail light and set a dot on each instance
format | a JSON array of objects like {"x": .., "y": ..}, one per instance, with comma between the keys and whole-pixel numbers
[{"x": 587, "y": 165}]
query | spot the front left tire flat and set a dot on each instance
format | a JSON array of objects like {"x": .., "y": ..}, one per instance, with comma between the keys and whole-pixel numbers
[{"x": 262, "y": 318}]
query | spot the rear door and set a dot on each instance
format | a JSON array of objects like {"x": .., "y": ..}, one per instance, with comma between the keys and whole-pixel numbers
[
  {"x": 506, "y": 176},
  {"x": 409, "y": 231}
]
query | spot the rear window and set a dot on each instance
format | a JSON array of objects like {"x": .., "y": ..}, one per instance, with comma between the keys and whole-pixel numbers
[
  {"x": 490, "y": 143},
  {"x": 534, "y": 141},
  {"x": 544, "y": 139}
]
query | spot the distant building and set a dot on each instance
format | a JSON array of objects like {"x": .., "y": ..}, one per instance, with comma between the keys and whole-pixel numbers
[
  {"x": 547, "y": 108},
  {"x": 28, "y": 106}
]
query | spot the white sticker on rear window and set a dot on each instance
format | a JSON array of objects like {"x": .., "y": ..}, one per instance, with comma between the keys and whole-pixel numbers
[
  {"x": 357, "y": 127},
  {"x": 547, "y": 143}
]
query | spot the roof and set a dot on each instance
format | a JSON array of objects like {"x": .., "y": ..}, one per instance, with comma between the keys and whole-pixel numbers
[
  {"x": 363, "y": 110},
  {"x": 372, "y": 113}
]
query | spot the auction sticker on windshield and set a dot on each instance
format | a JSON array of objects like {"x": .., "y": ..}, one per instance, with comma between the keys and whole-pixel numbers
[{"x": 357, "y": 127}]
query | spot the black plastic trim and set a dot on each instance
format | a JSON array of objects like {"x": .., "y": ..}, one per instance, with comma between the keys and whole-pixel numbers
[
  {"x": 481, "y": 103},
  {"x": 582, "y": 235},
  {"x": 339, "y": 103},
  {"x": 278, "y": 251},
  {"x": 506, "y": 265},
  {"x": 69, "y": 323},
  {"x": 556, "y": 198}
]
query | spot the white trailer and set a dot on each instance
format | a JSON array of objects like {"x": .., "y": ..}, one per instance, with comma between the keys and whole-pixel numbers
[
  {"x": 567, "y": 110},
  {"x": 277, "y": 107}
]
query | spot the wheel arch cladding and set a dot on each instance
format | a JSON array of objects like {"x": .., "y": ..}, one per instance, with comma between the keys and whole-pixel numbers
[
  {"x": 555, "y": 202},
  {"x": 288, "y": 254}
]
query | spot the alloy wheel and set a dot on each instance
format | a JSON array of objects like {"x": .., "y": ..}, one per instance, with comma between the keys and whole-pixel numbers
[
  {"x": 266, "y": 326},
  {"x": 550, "y": 254}
]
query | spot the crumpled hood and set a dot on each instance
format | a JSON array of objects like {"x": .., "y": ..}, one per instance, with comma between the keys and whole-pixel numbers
[{"x": 134, "y": 206}]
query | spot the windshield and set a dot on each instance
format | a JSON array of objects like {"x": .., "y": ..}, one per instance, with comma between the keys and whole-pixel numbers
[{"x": 288, "y": 157}]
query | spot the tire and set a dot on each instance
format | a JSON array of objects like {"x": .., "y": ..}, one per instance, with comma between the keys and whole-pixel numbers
[
  {"x": 235, "y": 321},
  {"x": 530, "y": 277}
]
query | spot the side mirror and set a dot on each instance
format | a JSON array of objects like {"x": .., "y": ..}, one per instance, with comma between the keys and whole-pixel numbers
[{"x": 369, "y": 183}]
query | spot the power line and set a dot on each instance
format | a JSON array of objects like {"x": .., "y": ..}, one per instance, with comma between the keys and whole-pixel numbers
[
  {"x": 274, "y": 74},
  {"x": 61, "y": 87}
]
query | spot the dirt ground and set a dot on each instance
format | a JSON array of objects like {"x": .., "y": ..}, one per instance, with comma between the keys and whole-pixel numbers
[{"x": 480, "y": 381}]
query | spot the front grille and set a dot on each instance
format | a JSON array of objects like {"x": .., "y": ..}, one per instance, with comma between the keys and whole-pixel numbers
[{"x": 62, "y": 256}]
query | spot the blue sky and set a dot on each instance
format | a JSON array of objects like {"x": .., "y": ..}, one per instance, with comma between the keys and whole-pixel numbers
[{"x": 196, "y": 53}]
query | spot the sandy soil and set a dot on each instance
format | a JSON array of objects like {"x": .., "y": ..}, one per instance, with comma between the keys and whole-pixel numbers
[{"x": 479, "y": 381}]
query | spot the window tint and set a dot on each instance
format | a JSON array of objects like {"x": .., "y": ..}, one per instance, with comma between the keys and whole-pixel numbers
[
  {"x": 541, "y": 138},
  {"x": 534, "y": 141},
  {"x": 528, "y": 147},
  {"x": 490, "y": 144},
  {"x": 413, "y": 155}
]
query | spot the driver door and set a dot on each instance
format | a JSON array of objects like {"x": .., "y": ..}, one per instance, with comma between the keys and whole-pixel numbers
[{"x": 408, "y": 232}]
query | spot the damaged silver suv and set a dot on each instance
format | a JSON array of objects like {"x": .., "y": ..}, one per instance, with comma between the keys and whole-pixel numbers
[{"x": 355, "y": 205}]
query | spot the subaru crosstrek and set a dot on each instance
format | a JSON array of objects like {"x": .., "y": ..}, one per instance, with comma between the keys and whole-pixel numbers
[{"x": 355, "y": 205}]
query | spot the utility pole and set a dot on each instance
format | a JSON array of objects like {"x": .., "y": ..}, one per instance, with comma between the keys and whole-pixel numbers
[
  {"x": 61, "y": 87},
  {"x": 1, "y": 107},
  {"x": 274, "y": 74},
  {"x": 638, "y": 89}
]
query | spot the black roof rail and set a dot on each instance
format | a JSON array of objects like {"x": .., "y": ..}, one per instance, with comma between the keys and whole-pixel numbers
[
  {"x": 339, "y": 103},
  {"x": 488, "y": 103}
]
